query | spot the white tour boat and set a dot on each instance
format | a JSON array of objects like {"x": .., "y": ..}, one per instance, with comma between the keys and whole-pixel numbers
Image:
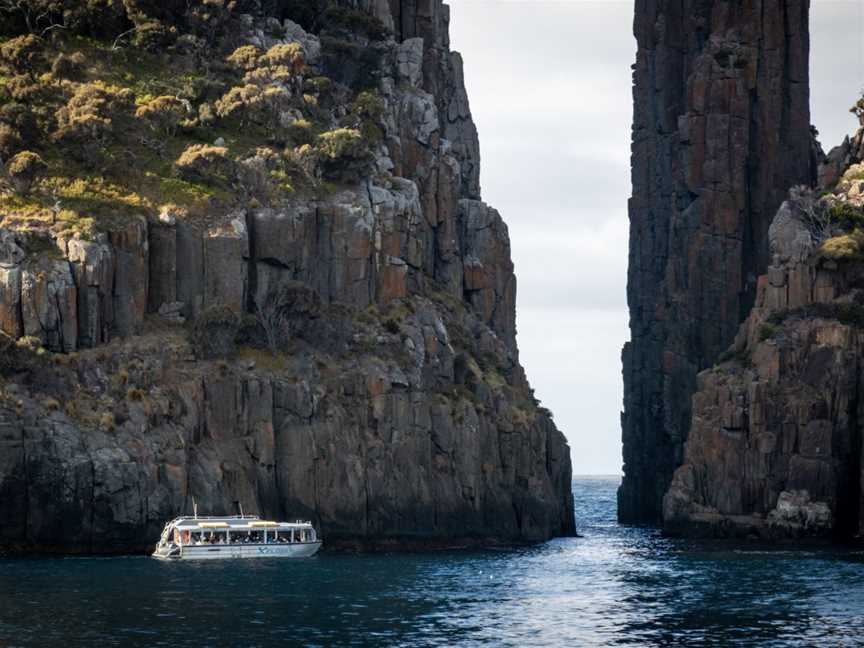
[{"x": 243, "y": 536}]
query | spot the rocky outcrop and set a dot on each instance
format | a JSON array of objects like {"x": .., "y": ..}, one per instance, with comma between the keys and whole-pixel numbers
[
  {"x": 378, "y": 454},
  {"x": 397, "y": 412},
  {"x": 721, "y": 131},
  {"x": 775, "y": 447}
]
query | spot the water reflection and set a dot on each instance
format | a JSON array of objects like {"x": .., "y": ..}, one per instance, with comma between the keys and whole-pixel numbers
[{"x": 613, "y": 587}]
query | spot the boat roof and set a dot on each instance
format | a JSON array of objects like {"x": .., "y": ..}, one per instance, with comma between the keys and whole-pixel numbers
[{"x": 245, "y": 523}]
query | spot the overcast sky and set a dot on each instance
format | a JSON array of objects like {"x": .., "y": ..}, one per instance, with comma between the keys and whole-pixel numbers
[{"x": 550, "y": 89}]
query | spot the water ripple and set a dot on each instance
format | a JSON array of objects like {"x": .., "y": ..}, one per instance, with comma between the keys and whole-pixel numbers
[{"x": 615, "y": 586}]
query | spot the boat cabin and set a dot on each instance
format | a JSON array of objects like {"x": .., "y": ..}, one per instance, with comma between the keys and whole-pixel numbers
[
  {"x": 236, "y": 537},
  {"x": 192, "y": 531}
]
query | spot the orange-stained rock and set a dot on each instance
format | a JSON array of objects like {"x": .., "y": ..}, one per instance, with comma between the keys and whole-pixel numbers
[
  {"x": 774, "y": 445},
  {"x": 711, "y": 163}
]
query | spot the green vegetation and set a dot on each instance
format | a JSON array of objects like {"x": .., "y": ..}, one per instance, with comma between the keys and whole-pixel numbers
[
  {"x": 844, "y": 247},
  {"x": 355, "y": 21},
  {"x": 22, "y": 54},
  {"x": 264, "y": 360},
  {"x": 844, "y": 215},
  {"x": 123, "y": 107},
  {"x": 205, "y": 163},
  {"x": 858, "y": 110},
  {"x": 164, "y": 114},
  {"x": 341, "y": 143},
  {"x": 10, "y": 141},
  {"x": 24, "y": 169},
  {"x": 850, "y": 314},
  {"x": 69, "y": 67},
  {"x": 766, "y": 331}
]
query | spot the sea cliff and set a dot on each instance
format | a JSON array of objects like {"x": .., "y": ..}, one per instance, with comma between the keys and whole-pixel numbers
[
  {"x": 721, "y": 131},
  {"x": 742, "y": 379},
  {"x": 252, "y": 266}
]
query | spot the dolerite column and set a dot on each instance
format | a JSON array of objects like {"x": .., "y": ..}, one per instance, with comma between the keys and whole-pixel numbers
[{"x": 721, "y": 130}]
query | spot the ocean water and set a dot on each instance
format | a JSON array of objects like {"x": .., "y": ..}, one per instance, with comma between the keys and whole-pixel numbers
[{"x": 615, "y": 586}]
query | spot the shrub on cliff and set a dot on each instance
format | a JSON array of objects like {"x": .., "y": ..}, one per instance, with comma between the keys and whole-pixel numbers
[
  {"x": 845, "y": 215},
  {"x": 253, "y": 102},
  {"x": 353, "y": 64},
  {"x": 15, "y": 356},
  {"x": 24, "y": 169},
  {"x": 88, "y": 17},
  {"x": 858, "y": 110},
  {"x": 322, "y": 88},
  {"x": 355, "y": 22},
  {"x": 290, "y": 55},
  {"x": 849, "y": 314},
  {"x": 214, "y": 333},
  {"x": 25, "y": 89},
  {"x": 68, "y": 66},
  {"x": 269, "y": 83},
  {"x": 245, "y": 57},
  {"x": 87, "y": 122},
  {"x": 23, "y": 54},
  {"x": 365, "y": 114},
  {"x": 285, "y": 309},
  {"x": 766, "y": 331},
  {"x": 302, "y": 161},
  {"x": 256, "y": 174},
  {"x": 301, "y": 132},
  {"x": 10, "y": 141},
  {"x": 202, "y": 162},
  {"x": 344, "y": 153},
  {"x": 272, "y": 317},
  {"x": 368, "y": 106},
  {"x": 341, "y": 143},
  {"x": 20, "y": 118},
  {"x": 810, "y": 212},
  {"x": 163, "y": 114},
  {"x": 844, "y": 247},
  {"x": 153, "y": 36}
]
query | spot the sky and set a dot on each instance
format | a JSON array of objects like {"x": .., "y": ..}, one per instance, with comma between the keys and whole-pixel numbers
[{"x": 550, "y": 90}]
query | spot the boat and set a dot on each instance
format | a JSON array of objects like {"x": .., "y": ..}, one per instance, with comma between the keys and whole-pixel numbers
[{"x": 242, "y": 536}]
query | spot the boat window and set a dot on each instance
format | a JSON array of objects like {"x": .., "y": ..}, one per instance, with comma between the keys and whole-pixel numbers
[{"x": 249, "y": 537}]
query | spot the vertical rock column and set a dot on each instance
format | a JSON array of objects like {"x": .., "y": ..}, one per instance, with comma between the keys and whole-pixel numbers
[{"x": 721, "y": 130}]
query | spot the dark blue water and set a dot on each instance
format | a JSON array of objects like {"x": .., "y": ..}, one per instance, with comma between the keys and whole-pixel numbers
[{"x": 615, "y": 586}]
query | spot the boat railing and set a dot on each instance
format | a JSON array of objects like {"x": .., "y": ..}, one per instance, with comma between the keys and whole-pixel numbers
[{"x": 218, "y": 517}]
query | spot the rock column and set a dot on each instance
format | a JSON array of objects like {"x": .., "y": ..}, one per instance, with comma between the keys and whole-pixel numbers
[{"x": 721, "y": 130}]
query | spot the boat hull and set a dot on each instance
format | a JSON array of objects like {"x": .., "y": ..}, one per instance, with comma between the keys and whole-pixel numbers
[{"x": 231, "y": 552}]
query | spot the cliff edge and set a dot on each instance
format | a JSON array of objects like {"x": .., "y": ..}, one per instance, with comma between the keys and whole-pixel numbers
[{"x": 244, "y": 259}]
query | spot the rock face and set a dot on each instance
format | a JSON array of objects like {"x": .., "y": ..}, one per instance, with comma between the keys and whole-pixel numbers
[
  {"x": 721, "y": 131},
  {"x": 775, "y": 445},
  {"x": 374, "y": 454},
  {"x": 397, "y": 414}
]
